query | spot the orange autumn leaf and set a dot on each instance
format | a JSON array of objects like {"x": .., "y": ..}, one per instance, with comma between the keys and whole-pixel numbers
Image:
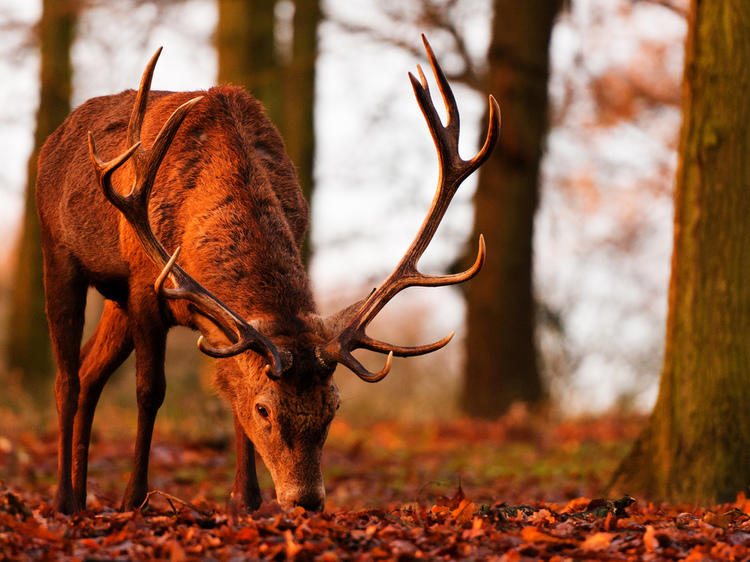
[
  {"x": 534, "y": 535},
  {"x": 717, "y": 520},
  {"x": 649, "y": 539},
  {"x": 292, "y": 548},
  {"x": 598, "y": 541},
  {"x": 578, "y": 504},
  {"x": 465, "y": 511},
  {"x": 541, "y": 517}
]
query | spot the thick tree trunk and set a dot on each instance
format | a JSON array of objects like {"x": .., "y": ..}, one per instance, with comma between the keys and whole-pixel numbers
[
  {"x": 501, "y": 365},
  {"x": 696, "y": 447},
  {"x": 28, "y": 340},
  {"x": 250, "y": 56}
]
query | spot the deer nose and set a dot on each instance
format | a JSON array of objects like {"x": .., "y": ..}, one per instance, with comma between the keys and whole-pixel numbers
[
  {"x": 311, "y": 502},
  {"x": 311, "y": 496}
]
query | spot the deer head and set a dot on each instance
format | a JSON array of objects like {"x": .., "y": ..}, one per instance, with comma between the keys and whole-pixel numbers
[{"x": 277, "y": 371}]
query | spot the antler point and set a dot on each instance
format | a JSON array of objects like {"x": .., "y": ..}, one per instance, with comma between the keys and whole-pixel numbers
[{"x": 388, "y": 361}]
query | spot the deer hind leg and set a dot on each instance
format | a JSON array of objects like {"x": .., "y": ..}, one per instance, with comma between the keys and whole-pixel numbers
[
  {"x": 105, "y": 350},
  {"x": 245, "y": 495},
  {"x": 149, "y": 338},
  {"x": 65, "y": 292}
]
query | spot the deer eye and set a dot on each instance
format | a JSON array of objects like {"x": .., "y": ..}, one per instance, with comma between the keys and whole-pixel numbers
[{"x": 262, "y": 411}]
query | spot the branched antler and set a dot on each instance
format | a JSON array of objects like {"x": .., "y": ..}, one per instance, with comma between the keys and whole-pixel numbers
[{"x": 453, "y": 170}]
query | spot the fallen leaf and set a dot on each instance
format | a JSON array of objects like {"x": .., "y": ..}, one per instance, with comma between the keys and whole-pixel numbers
[
  {"x": 465, "y": 511},
  {"x": 534, "y": 535},
  {"x": 292, "y": 548},
  {"x": 176, "y": 552},
  {"x": 578, "y": 504},
  {"x": 598, "y": 541},
  {"x": 721, "y": 521},
  {"x": 541, "y": 517}
]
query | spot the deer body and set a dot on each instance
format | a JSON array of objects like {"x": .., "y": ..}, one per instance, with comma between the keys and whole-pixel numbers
[{"x": 200, "y": 182}]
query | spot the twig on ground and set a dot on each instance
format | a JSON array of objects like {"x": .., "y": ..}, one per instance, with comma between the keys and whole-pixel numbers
[{"x": 170, "y": 498}]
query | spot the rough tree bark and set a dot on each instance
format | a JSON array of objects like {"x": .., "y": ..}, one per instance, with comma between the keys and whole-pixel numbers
[
  {"x": 501, "y": 363},
  {"x": 251, "y": 55},
  {"x": 696, "y": 447},
  {"x": 28, "y": 340}
]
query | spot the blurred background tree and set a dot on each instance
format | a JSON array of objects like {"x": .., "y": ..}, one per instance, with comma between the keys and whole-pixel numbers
[
  {"x": 270, "y": 47},
  {"x": 501, "y": 358},
  {"x": 28, "y": 347},
  {"x": 696, "y": 448}
]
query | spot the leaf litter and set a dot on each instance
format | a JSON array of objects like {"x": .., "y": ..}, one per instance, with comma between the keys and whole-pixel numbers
[{"x": 384, "y": 507}]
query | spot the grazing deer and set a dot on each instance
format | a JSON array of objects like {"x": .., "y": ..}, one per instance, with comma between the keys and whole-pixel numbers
[{"x": 209, "y": 185}]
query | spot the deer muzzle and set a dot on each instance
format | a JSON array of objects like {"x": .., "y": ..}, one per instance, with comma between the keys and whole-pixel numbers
[{"x": 312, "y": 498}]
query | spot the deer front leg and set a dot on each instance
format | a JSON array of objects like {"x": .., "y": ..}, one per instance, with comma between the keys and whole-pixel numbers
[
  {"x": 149, "y": 338},
  {"x": 105, "y": 350},
  {"x": 245, "y": 495},
  {"x": 65, "y": 292}
]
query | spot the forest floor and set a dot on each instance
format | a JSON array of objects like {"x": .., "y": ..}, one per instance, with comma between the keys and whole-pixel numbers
[{"x": 515, "y": 489}]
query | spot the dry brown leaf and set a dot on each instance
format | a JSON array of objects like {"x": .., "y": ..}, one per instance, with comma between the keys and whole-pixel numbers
[
  {"x": 598, "y": 541},
  {"x": 717, "y": 520},
  {"x": 541, "y": 517},
  {"x": 465, "y": 511},
  {"x": 533, "y": 534},
  {"x": 649, "y": 539}
]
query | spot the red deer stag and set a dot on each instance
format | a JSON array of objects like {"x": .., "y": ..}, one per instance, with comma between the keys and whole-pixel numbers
[{"x": 210, "y": 190}]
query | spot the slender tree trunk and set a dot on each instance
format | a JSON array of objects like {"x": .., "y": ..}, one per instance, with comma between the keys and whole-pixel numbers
[
  {"x": 696, "y": 447},
  {"x": 501, "y": 353},
  {"x": 28, "y": 341},
  {"x": 251, "y": 54},
  {"x": 299, "y": 129}
]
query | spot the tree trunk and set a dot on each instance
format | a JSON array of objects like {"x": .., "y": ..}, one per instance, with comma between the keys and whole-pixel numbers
[
  {"x": 696, "y": 447},
  {"x": 248, "y": 57},
  {"x": 28, "y": 340},
  {"x": 299, "y": 130},
  {"x": 501, "y": 365},
  {"x": 251, "y": 54}
]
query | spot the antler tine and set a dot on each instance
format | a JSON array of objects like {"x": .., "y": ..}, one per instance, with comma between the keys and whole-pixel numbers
[
  {"x": 451, "y": 107},
  {"x": 158, "y": 150},
  {"x": 366, "y": 342},
  {"x": 351, "y": 363},
  {"x": 493, "y": 133},
  {"x": 141, "y": 99},
  {"x": 453, "y": 170},
  {"x": 106, "y": 169},
  {"x": 134, "y": 207}
]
